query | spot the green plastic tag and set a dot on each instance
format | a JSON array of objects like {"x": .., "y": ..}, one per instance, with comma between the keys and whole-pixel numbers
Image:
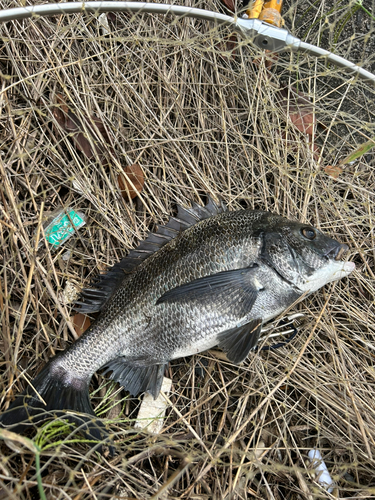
[{"x": 61, "y": 228}]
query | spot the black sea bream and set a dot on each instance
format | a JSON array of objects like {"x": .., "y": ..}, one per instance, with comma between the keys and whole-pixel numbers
[{"x": 208, "y": 278}]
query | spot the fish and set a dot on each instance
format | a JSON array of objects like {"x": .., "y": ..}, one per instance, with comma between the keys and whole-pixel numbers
[{"x": 209, "y": 277}]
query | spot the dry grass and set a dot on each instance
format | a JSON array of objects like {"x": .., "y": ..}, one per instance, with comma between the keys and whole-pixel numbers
[{"x": 199, "y": 121}]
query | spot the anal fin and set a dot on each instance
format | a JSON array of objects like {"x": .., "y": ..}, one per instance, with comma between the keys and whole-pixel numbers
[
  {"x": 238, "y": 342},
  {"x": 136, "y": 379}
]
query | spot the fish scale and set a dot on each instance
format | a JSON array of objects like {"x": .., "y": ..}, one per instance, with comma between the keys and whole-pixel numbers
[
  {"x": 129, "y": 314},
  {"x": 209, "y": 277}
]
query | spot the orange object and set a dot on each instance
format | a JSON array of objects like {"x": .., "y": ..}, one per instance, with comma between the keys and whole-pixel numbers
[
  {"x": 81, "y": 323},
  {"x": 134, "y": 174},
  {"x": 269, "y": 12},
  {"x": 255, "y": 8}
]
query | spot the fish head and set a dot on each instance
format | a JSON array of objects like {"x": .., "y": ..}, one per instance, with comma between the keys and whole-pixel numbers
[{"x": 303, "y": 255}]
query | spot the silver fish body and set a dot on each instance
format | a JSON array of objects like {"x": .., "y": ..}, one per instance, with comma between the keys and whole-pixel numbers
[{"x": 211, "y": 277}]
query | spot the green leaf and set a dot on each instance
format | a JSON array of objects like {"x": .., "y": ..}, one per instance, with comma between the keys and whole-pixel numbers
[{"x": 359, "y": 151}]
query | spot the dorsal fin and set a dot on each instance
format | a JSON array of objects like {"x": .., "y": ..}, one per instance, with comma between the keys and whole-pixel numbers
[{"x": 94, "y": 298}]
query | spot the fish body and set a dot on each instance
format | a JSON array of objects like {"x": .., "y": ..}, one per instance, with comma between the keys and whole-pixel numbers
[{"x": 208, "y": 278}]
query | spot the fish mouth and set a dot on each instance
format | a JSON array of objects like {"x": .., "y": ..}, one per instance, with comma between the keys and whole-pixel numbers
[
  {"x": 335, "y": 268},
  {"x": 337, "y": 251}
]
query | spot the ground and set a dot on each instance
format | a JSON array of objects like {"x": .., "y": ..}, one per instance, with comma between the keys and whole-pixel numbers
[{"x": 201, "y": 116}]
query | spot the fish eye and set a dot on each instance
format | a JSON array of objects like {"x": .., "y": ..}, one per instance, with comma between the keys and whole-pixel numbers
[{"x": 308, "y": 233}]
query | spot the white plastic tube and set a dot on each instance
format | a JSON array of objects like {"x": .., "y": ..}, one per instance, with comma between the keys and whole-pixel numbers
[{"x": 264, "y": 35}]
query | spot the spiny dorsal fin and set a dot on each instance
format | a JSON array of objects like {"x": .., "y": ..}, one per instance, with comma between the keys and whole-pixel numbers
[{"x": 94, "y": 298}]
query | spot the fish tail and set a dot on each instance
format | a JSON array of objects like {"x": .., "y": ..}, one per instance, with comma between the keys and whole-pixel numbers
[{"x": 50, "y": 395}]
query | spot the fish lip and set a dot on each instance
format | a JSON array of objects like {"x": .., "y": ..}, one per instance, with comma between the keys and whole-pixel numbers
[{"x": 337, "y": 251}]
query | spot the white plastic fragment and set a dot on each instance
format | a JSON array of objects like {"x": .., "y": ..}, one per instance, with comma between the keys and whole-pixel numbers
[
  {"x": 69, "y": 294},
  {"x": 66, "y": 255},
  {"x": 258, "y": 452},
  {"x": 323, "y": 476},
  {"x": 77, "y": 185},
  {"x": 152, "y": 411},
  {"x": 103, "y": 21}
]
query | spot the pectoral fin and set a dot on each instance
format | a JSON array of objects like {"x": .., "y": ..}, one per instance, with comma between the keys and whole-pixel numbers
[
  {"x": 238, "y": 288},
  {"x": 238, "y": 342}
]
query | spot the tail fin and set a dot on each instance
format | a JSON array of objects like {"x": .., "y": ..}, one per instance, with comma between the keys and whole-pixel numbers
[{"x": 50, "y": 396}]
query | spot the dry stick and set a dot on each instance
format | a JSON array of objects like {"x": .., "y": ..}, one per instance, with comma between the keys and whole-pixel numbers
[
  {"x": 172, "y": 480},
  {"x": 62, "y": 309},
  {"x": 265, "y": 400},
  {"x": 44, "y": 273},
  {"x": 4, "y": 307},
  {"x": 244, "y": 456},
  {"x": 28, "y": 286},
  {"x": 270, "y": 494},
  {"x": 90, "y": 482},
  {"x": 352, "y": 397},
  {"x": 44, "y": 72},
  {"x": 357, "y": 246},
  {"x": 19, "y": 231},
  {"x": 188, "y": 425},
  {"x": 9, "y": 191}
]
